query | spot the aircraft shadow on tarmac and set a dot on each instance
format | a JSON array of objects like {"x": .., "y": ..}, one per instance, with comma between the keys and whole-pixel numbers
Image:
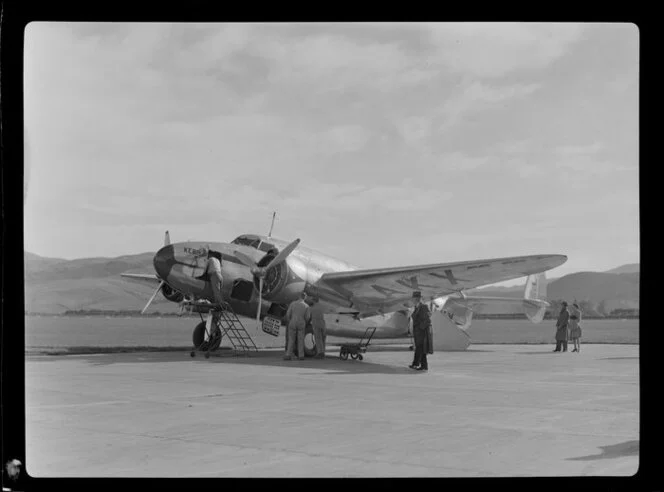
[
  {"x": 539, "y": 352},
  {"x": 627, "y": 448},
  {"x": 331, "y": 364}
]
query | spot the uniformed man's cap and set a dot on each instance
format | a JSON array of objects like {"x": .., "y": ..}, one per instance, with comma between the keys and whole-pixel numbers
[
  {"x": 564, "y": 303},
  {"x": 417, "y": 294}
]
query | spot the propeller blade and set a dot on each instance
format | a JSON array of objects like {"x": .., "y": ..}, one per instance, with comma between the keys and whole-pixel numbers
[
  {"x": 153, "y": 296},
  {"x": 248, "y": 261},
  {"x": 283, "y": 254},
  {"x": 260, "y": 301}
]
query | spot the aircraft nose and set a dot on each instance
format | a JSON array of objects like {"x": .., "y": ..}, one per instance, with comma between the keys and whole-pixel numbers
[{"x": 163, "y": 261}]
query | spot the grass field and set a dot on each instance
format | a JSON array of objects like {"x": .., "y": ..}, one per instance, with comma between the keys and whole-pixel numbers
[{"x": 175, "y": 333}]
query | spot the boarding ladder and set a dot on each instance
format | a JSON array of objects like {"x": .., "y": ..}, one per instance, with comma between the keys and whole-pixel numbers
[{"x": 231, "y": 326}]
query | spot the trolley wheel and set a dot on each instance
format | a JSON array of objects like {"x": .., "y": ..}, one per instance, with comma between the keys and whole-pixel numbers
[
  {"x": 354, "y": 356},
  {"x": 207, "y": 355},
  {"x": 343, "y": 355},
  {"x": 193, "y": 353},
  {"x": 359, "y": 356}
]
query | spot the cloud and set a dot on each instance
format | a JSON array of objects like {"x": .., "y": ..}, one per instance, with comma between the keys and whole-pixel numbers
[
  {"x": 459, "y": 161},
  {"x": 343, "y": 138},
  {"x": 576, "y": 150},
  {"x": 497, "y": 49},
  {"x": 349, "y": 131},
  {"x": 478, "y": 96}
]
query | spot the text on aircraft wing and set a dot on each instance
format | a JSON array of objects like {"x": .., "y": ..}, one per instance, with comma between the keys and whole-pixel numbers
[
  {"x": 384, "y": 286},
  {"x": 142, "y": 278}
]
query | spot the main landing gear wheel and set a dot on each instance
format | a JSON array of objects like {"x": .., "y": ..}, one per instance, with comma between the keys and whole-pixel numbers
[
  {"x": 354, "y": 356},
  {"x": 198, "y": 339},
  {"x": 343, "y": 355},
  {"x": 359, "y": 356},
  {"x": 309, "y": 342}
]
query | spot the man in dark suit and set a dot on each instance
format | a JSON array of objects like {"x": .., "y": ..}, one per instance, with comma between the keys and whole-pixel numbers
[
  {"x": 421, "y": 333},
  {"x": 561, "y": 328}
]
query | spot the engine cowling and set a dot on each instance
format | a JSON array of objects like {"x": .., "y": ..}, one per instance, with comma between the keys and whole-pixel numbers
[
  {"x": 171, "y": 294},
  {"x": 274, "y": 281}
]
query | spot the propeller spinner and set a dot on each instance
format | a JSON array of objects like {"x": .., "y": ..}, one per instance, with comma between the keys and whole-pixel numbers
[{"x": 261, "y": 271}]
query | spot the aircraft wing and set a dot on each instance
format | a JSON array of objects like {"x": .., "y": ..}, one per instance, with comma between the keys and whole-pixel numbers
[
  {"x": 142, "y": 278},
  {"x": 388, "y": 288}
]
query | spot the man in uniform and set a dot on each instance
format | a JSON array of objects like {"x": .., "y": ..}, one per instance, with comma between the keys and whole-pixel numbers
[
  {"x": 421, "y": 331},
  {"x": 318, "y": 324},
  {"x": 297, "y": 317},
  {"x": 561, "y": 328}
]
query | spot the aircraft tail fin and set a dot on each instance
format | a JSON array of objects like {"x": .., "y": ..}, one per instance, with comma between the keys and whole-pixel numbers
[
  {"x": 533, "y": 297},
  {"x": 535, "y": 287},
  {"x": 167, "y": 239}
]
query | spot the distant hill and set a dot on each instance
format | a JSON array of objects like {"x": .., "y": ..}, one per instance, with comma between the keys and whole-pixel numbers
[
  {"x": 630, "y": 268},
  {"x": 55, "y": 285},
  {"x": 596, "y": 287},
  {"x": 48, "y": 269}
]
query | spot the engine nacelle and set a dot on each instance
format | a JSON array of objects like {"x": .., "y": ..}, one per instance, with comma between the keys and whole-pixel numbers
[{"x": 171, "y": 294}]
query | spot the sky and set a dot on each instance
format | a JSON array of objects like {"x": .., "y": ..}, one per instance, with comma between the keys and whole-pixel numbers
[{"x": 383, "y": 144}]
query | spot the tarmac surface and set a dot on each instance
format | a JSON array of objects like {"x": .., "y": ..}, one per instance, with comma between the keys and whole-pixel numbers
[{"x": 493, "y": 410}]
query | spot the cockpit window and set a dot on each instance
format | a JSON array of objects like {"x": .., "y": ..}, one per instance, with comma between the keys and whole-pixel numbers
[
  {"x": 266, "y": 247},
  {"x": 254, "y": 242}
]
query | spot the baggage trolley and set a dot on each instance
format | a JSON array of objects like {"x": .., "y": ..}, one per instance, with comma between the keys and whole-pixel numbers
[{"x": 355, "y": 350}]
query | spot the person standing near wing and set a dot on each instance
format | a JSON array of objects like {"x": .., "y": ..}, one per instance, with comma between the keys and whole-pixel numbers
[
  {"x": 561, "y": 328},
  {"x": 575, "y": 327},
  {"x": 421, "y": 325},
  {"x": 297, "y": 317},
  {"x": 318, "y": 325}
]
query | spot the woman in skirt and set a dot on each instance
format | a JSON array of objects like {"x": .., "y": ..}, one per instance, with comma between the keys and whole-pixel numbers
[{"x": 575, "y": 327}]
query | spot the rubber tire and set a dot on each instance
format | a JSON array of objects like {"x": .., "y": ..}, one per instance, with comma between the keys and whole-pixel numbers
[
  {"x": 354, "y": 356},
  {"x": 359, "y": 356},
  {"x": 198, "y": 336},
  {"x": 343, "y": 355},
  {"x": 309, "y": 330},
  {"x": 193, "y": 353},
  {"x": 198, "y": 339}
]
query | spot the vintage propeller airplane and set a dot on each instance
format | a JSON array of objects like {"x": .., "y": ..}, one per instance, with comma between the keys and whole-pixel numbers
[{"x": 262, "y": 275}]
